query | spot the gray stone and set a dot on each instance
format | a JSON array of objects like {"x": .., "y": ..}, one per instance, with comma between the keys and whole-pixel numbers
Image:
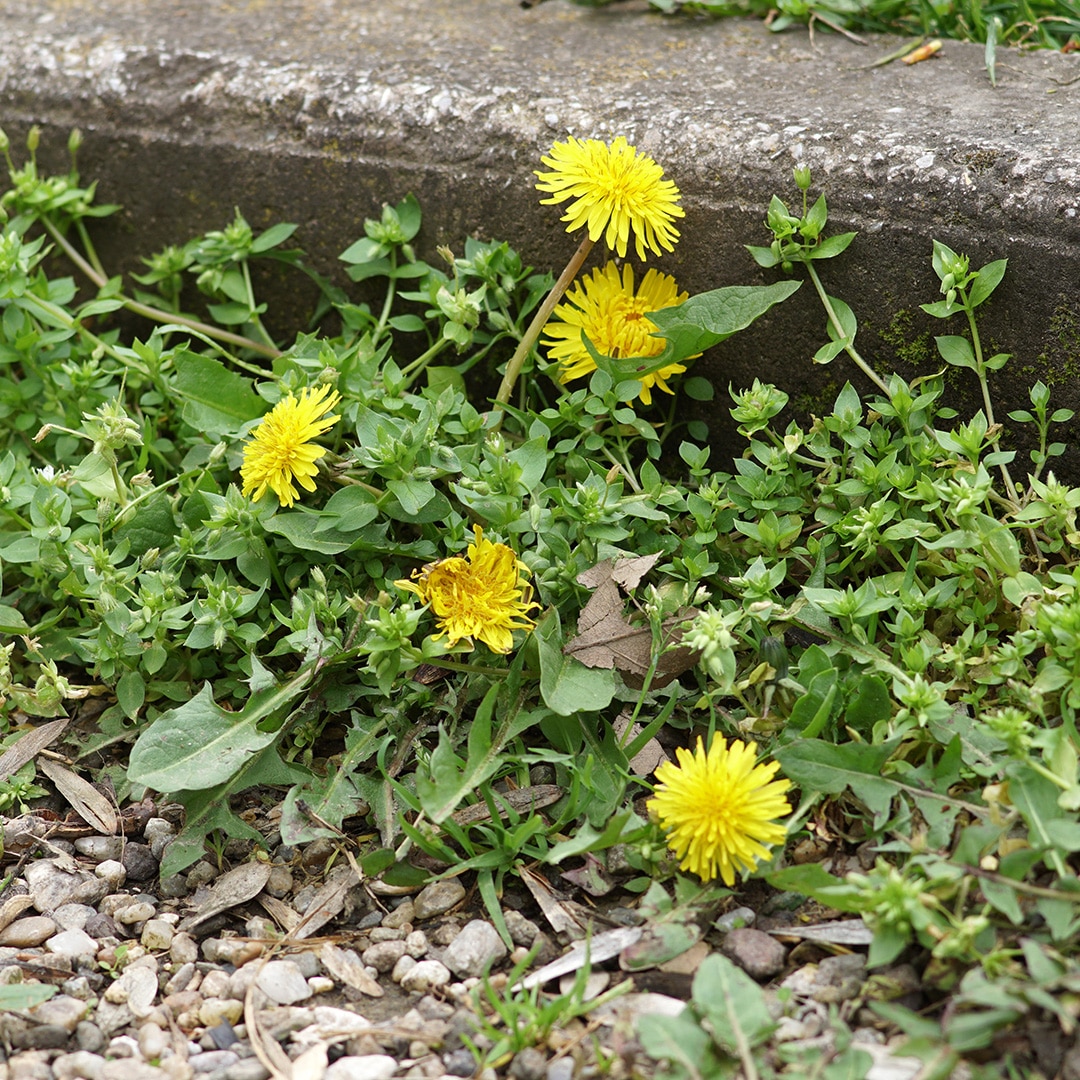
[
  {"x": 75, "y": 944},
  {"x": 139, "y": 862},
  {"x": 246, "y": 1069},
  {"x": 81, "y": 1065},
  {"x": 184, "y": 949},
  {"x": 437, "y": 898},
  {"x": 100, "y": 848},
  {"x": 475, "y": 949},
  {"x": 173, "y": 887},
  {"x": 388, "y": 98},
  {"x": 736, "y": 919},
  {"x": 416, "y": 944},
  {"x": 561, "y": 1068},
  {"x": 404, "y": 965},
  {"x": 89, "y": 1036},
  {"x": 362, "y": 1067},
  {"x": 402, "y": 915},
  {"x": 152, "y": 1040},
  {"x": 383, "y": 955},
  {"x": 528, "y": 1064},
  {"x": 428, "y": 975},
  {"x": 112, "y": 872},
  {"x": 212, "y": 1060},
  {"x": 157, "y": 935},
  {"x": 74, "y": 916},
  {"x": 280, "y": 881},
  {"x": 522, "y": 931},
  {"x": 283, "y": 982},
  {"x": 137, "y": 912},
  {"x": 131, "y": 1069},
  {"x": 839, "y": 978},
  {"x": 29, "y": 932},
  {"x": 757, "y": 953},
  {"x": 52, "y": 887},
  {"x": 40, "y": 1037},
  {"x": 63, "y": 1011},
  {"x": 459, "y": 1063},
  {"x": 157, "y": 827}
]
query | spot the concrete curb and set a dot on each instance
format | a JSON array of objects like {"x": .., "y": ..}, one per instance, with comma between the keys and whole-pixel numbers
[{"x": 317, "y": 111}]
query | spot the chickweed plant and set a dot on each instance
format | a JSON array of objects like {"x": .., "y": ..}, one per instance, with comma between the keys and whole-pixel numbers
[{"x": 332, "y": 569}]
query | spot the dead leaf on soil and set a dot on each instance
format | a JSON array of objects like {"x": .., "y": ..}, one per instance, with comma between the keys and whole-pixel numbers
[
  {"x": 30, "y": 745},
  {"x": 595, "y": 951},
  {"x": 232, "y": 888},
  {"x": 84, "y": 798},
  {"x": 649, "y": 757},
  {"x": 328, "y": 902},
  {"x": 341, "y": 966},
  {"x": 838, "y": 932},
  {"x": 607, "y": 639}
]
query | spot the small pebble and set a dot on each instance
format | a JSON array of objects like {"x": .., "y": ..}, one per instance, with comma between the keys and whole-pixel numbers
[
  {"x": 759, "y": 954},
  {"x": 283, "y": 982},
  {"x": 364, "y": 1067},
  {"x": 112, "y": 872},
  {"x": 152, "y": 1041},
  {"x": 89, "y": 1036},
  {"x": 475, "y": 949},
  {"x": 401, "y": 916},
  {"x": 28, "y": 933},
  {"x": 213, "y": 1010},
  {"x": 215, "y": 984},
  {"x": 280, "y": 881},
  {"x": 81, "y": 1065},
  {"x": 74, "y": 917},
  {"x": 157, "y": 935},
  {"x": 416, "y": 944},
  {"x": 428, "y": 975},
  {"x": 437, "y": 898},
  {"x": 139, "y": 862},
  {"x": 736, "y": 919},
  {"x": 184, "y": 949},
  {"x": 320, "y": 984},
  {"x": 156, "y": 827},
  {"x": 212, "y": 1060},
  {"x": 383, "y": 955},
  {"x": 528, "y": 1064},
  {"x": 75, "y": 944},
  {"x": 100, "y": 848},
  {"x": 138, "y": 912},
  {"x": 405, "y": 964}
]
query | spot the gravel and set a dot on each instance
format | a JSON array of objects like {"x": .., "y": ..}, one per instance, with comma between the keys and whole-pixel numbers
[{"x": 153, "y": 986}]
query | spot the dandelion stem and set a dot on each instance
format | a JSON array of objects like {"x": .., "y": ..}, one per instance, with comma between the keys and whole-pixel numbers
[{"x": 539, "y": 321}]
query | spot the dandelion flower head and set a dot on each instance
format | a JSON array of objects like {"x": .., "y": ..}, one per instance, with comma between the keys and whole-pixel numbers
[
  {"x": 483, "y": 596},
  {"x": 605, "y": 306},
  {"x": 281, "y": 453},
  {"x": 614, "y": 190},
  {"x": 718, "y": 808}
]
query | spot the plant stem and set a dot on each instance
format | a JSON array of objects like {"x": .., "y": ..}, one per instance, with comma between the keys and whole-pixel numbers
[
  {"x": 156, "y": 313},
  {"x": 539, "y": 321},
  {"x": 863, "y": 366}
]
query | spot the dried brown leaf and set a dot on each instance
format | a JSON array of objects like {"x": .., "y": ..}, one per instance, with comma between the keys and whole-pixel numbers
[
  {"x": 339, "y": 965},
  {"x": 328, "y": 902},
  {"x": 84, "y": 798},
  {"x": 30, "y": 745},
  {"x": 235, "y": 887}
]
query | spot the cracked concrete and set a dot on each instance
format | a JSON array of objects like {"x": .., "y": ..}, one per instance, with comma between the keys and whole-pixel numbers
[{"x": 317, "y": 111}]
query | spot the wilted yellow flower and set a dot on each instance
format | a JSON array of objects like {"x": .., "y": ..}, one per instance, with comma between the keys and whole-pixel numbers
[
  {"x": 605, "y": 306},
  {"x": 615, "y": 189},
  {"x": 281, "y": 452},
  {"x": 718, "y": 808},
  {"x": 483, "y": 595}
]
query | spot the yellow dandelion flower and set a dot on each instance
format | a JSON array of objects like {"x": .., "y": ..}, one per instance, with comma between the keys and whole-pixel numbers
[
  {"x": 718, "y": 808},
  {"x": 483, "y": 595},
  {"x": 615, "y": 190},
  {"x": 605, "y": 305},
  {"x": 281, "y": 451}
]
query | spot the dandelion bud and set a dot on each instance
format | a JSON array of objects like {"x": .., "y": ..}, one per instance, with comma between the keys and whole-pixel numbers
[
  {"x": 802, "y": 177},
  {"x": 74, "y": 141},
  {"x": 33, "y": 138}
]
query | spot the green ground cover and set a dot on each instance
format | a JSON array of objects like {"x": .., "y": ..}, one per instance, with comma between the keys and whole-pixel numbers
[{"x": 330, "y": 567}]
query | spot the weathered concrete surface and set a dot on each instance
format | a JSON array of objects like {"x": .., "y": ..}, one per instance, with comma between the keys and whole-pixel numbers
[{"x": 317, "y": 111}]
